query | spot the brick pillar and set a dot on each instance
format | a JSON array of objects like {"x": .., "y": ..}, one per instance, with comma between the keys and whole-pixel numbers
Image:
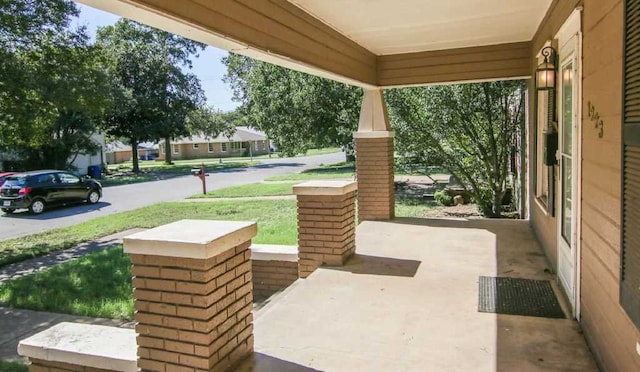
[
  {"x": 326, "y": 223},
  {"x": 374, "y": 171},
  {"x": 193, "y": 295}
]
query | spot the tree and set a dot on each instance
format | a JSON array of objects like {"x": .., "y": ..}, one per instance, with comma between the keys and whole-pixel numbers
[
  {"x": 296, "y": 110},
  {"x": 209, "y": 122},
  {"x": 153, "y": 95},
  {"x": 469, "y": 128},
  {"x": 71, "y": 90},
  {"x": 51, "y": 84}
]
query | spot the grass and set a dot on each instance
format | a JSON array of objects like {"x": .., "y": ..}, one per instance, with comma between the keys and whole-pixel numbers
[
  {"x": 96, "y": 285},
  {"x": 250, "y": 190},
  {"x": 13, "y": 366},
  {"x": 414, "y": 207},
  {"x": 127, "y": 179},
  {"x": 153, "y": 164},
  {"x": 341, "y": 170},
  {"x": 163, "y": 171},
  {"x": 99, "y": 284},
  {"x": 272, "y": 216}
]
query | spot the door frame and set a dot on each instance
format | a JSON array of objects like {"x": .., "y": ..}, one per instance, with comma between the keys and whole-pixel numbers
[{"x": 572, "y": 28}]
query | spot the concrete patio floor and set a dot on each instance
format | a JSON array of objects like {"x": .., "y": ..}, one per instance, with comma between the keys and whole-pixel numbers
[{"x": 408, "y": 302}]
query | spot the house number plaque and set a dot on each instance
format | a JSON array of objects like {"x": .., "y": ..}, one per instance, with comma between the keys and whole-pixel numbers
[{"x": 594, "y": 116}]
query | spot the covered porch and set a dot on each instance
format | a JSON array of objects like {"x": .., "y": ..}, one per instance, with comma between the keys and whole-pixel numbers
[
  {"x": 408, "y": 301},
  {"x": 384, "y": 45}
]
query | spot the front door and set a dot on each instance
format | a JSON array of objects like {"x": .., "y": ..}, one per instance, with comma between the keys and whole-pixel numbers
[{"x": 568, "y": 161}]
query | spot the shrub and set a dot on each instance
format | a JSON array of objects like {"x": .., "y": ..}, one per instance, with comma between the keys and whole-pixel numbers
[{"x": 443, "y": 198}]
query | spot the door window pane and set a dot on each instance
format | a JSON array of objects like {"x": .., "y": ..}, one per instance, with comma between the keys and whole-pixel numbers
[
  {"x": 567, "y": 199},
  {"x": 567, "y": 108}
]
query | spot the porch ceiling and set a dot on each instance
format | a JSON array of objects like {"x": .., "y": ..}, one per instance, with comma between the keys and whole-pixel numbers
[
  {"x": 392, "y": 27},
  {"x": 368, "y": 43}
]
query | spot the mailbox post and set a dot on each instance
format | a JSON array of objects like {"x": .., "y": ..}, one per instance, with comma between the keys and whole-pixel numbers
[{"x": 200, "y": 172}]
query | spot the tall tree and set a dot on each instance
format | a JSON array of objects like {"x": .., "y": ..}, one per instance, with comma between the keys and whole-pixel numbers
[
  {"x": 153, "y": 93},
  {"x": 51, "y": 83},
  {"x": 209, "y": 122},
  {"x": 296, "y": 110},
  {"x": 72, "y": 94},
  {"x": 470, "y": 129}
]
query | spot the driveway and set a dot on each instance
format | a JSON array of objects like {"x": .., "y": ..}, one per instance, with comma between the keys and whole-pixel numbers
[{"x": 123, "y": 198}]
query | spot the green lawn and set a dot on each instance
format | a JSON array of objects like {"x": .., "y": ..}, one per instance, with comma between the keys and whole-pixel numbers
[
  {"x": 154, "y": 164},
  {"x": 250, "y": 190},
  {"x": 99, "y": 284},
  {"x": 272, "y": 216},
  {"x": 162, "y": 171},
  {"x": 414, "y": 207},
  {"x": 11, "y": 366},
  {"x": 341, "y": 170},
  {"x": 96, "y": 285}
]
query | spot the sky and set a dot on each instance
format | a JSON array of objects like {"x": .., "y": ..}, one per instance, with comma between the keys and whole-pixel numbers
[{"x": 208, "y": 66}]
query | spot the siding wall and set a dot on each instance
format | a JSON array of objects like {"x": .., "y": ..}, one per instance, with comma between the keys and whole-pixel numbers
[
  {"x": 608, "y": 330},
  {"x": 453, "y": 65},
  {"x": 610, "y": 334}
]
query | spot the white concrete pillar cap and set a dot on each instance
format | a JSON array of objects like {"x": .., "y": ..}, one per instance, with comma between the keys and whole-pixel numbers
[
  {"x": 85, "y": 345},
  {"x": 199, "y": 239},
  {"x": 322, "y": 187}
]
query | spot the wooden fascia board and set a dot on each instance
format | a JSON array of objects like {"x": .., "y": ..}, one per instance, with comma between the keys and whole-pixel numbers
[
  {"x": 273, "y": 31},
  {"x": 492, "y": 62}
]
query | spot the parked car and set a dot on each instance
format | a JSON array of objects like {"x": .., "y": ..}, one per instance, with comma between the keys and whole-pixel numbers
[
  {"x": 5, "y": 175},
  {"x": 38, "y": 190}
]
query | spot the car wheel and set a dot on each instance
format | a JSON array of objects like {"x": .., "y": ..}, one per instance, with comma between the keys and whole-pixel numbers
[
  {"x": 93, "y": 197},
  {"x": 7, "y": 210},
  {"x": 37, "y": 206}
]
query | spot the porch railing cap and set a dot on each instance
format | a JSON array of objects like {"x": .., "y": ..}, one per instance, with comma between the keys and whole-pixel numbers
[
  {"x": 199, "y": 239},
  {"x": 87, "y": 345},
  {"x": 321, "y": 187}
]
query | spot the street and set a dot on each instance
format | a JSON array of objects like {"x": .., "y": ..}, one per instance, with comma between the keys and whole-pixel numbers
[{"x": 127, "y": 197}]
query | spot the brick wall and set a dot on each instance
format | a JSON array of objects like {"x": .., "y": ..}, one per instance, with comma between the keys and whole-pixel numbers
[
  {"x": 270, "y": 277},
  {"x": 374, "y": 170},
  {"x": 193, "y": 313},
  {"x": 326, "y": 229}
]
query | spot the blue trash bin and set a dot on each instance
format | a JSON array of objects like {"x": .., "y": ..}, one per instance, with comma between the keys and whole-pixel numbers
[{"x": 95, "y": 171}]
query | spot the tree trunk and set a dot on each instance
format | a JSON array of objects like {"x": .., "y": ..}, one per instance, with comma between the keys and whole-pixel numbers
[
  {"x": 168, "y": 151},
  {"x": 134, "y": 155},
  {"x": 497, "y": 203}
]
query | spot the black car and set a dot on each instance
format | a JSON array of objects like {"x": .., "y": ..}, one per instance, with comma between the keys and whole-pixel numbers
[{"x": 39, "y": 189}]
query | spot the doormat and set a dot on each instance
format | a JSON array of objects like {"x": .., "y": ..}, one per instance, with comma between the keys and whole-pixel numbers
[{"x": 518, "y": 297}]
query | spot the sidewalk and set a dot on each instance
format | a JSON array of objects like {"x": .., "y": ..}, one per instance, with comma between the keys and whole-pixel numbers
[{"x": 30, "y": 266}]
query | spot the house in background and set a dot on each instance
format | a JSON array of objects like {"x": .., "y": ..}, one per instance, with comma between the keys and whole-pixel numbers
[
  {"x": 117, "y": 152},
  {"x": 80, "y": 165},
  {"x": 244, "y": 142}
]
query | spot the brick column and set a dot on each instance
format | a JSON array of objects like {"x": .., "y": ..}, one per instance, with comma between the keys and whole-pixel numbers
[
  {"x": 326, "y": 223},
  {"x": 193, "y": 295},
  {"x": 374, "y": 171}
]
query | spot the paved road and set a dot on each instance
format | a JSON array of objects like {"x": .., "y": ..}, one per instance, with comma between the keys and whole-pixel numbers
[{"x": 128, "y": 197}]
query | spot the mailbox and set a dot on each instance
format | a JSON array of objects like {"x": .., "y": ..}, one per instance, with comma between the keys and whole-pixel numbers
[
  {"x": 550, "y": 148},
  {"x": 196, "y": 171}
]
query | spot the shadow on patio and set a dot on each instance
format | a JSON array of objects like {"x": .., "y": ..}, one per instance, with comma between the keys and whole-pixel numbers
[{"x": 408, "y": 301}]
